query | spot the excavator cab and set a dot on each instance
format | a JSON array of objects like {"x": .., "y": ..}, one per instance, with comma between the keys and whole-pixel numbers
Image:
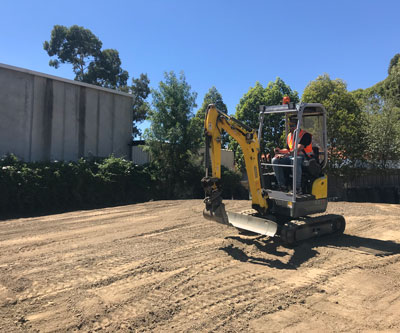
[{"x": 309, "y": 117}]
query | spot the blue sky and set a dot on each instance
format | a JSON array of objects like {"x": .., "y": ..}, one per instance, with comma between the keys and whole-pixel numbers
[{"x": 227, "y": 44}]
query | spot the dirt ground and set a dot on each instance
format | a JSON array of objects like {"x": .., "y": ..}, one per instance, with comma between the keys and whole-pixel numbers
[{"x": 161, "y": 267}]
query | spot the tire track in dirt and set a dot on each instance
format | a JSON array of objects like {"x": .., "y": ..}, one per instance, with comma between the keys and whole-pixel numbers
[
  {"x": 160, "y": 267},
  {"x": 302, "y": 283},
  {"x": 95, "y": 279},
  {"x": 256, "y": 304},
  {"x": 183, "y": 293}
]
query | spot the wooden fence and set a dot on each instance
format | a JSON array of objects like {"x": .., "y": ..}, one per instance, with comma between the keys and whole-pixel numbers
[{"x": 379, "y": 186}]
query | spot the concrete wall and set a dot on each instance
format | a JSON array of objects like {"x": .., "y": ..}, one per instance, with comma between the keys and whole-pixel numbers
[
  {"x": 139, "y": 156},
  {"x": 227, "y": 157},
  {"x": 44, "y": 117}
]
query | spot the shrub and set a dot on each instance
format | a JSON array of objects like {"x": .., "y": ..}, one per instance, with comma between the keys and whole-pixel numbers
[
  {"x": 38, "y": 187},
  {"x": 48, "y": 187},
  {"x": 231, "y": 185}
]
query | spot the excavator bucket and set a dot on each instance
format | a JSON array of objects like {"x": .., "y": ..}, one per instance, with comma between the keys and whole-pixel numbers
[
  {"x": 215, "y": 211},
  {"x": 218, "y": 214}
]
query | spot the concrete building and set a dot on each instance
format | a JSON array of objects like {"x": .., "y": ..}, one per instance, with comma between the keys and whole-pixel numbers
[
  {"x": 139, "y": 156},
  {"x": 43, "y": 117}
]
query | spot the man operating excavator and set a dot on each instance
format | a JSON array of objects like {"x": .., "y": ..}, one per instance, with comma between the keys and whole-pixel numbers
[
  {"x": 285, "y": 156},
  {"x": 274, "y": 213}
]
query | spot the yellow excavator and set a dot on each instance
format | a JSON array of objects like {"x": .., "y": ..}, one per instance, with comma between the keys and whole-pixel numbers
[{"x": 274, "y": 213}]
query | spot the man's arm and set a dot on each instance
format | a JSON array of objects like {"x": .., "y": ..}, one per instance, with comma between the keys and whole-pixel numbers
[{"x": 281, "y": 151}]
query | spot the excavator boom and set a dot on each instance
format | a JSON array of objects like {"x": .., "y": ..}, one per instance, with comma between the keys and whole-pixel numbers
[
  {"x": 246, "y": 137},
  {"x": 216, "y": 121}
]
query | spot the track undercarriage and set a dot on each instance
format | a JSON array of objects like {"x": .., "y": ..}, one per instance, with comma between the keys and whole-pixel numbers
[
  {"x": 289, "y": 230},
  {"x": 311, "y": 227}
]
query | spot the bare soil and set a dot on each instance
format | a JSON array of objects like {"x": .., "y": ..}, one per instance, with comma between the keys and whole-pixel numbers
[{"x": 161, "y": 267}]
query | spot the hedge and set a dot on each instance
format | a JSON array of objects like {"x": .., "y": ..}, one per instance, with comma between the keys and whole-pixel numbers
[
  {"x": 49, "y": 187},
  {"x": 27, "y": 188}
]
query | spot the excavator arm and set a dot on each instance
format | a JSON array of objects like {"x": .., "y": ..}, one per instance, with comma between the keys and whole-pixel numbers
[{"x": 246, "y": 137}]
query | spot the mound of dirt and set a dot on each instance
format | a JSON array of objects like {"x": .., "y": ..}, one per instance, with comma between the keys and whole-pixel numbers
[{"x": 161, "y": 267}]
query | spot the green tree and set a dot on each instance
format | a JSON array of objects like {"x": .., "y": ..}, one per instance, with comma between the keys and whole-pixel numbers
[
  {"x": 274, "y": 126},
  {"x": 383, "y": 135},
  {"x": 82, "y": 49},
  {"x": 211, "y": 97},
  {"x": 169, "y": 139},
  {"x": 393, "y": 62},
  {"x": 248, "y": 110},
  {"x": 360, "y": 96},
  {"x": 75, "y": 45},
  {"x": 106, "y": 71},
  {"x": 140, "y": 90},
  {"x": 345, "y": 121},
  {"x": 381, "y": 105},
  {"x": 390, "y": 87}
]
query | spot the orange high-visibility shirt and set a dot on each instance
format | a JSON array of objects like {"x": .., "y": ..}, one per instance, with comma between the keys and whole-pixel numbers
[{"x": 290, "y": 142}]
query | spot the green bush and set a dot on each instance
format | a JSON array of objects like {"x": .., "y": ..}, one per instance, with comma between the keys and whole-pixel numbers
[
  {"x": 231, "y": 186},
  {"x": 38, "y": 187},
  {"x": 48, "y": 187}
]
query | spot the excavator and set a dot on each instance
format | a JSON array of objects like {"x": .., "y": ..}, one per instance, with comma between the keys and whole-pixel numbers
[{"x": 291, "y": 216}]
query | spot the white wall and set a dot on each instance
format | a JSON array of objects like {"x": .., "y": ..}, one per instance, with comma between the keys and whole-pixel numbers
[
  {"x": 44, "y": 117},
  {"x": 141, "y": 157}
]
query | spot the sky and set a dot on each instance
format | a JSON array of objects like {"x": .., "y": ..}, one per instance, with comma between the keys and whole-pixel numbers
[{"x": 229, "y": 44}]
